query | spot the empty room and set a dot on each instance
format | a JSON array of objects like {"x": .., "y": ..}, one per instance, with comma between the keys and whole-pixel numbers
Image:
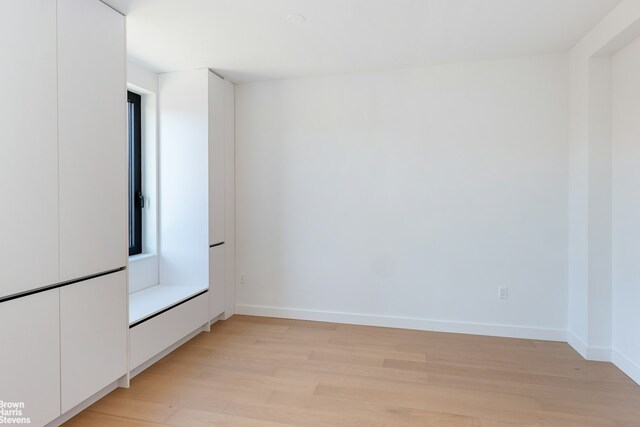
[{"x": 319, "y": 213}]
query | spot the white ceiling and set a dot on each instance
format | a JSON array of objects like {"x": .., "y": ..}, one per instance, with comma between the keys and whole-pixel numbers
[{"x": 247, "y": 40}]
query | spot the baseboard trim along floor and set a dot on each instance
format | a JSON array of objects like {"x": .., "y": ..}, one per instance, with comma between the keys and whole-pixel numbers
[{"x": 506, "y": 331}]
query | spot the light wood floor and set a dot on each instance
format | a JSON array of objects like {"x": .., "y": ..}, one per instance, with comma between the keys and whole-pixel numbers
[{"x": 251, "y": 371}]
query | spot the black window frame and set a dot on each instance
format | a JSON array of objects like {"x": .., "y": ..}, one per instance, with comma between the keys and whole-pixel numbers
[{"x": 136, "y": 200}]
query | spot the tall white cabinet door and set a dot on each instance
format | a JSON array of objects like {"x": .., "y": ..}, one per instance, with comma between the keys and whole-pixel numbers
[
  {"x": 92, "y": 138},
  {"x": 28, "y": 146},
  {"x": 30, "y": 355},
  {"x": 229, "y": 199},
  {"x": 216, "y": 159},
  {"x": 93, "y": 336},
  {"x": 216, "y": 281}
]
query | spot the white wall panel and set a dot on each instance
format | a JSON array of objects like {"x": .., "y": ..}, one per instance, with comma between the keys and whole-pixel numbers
[
  {"x": 217, "y": 137},
  {"x": 217, "y": 280},
  {"x": 28, "y": 146},
  {"x": 93, "y": 331},
  {"x": 626, "y": 207},
  {"x": 230, "y": 199},
  {"x": 184, "y": 178},
  {"x": 30, "y": 355},
  {"x": 92, "y": 138}
]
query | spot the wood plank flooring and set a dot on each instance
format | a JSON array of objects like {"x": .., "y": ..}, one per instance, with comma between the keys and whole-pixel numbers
[{"x": 251, "y": 371}]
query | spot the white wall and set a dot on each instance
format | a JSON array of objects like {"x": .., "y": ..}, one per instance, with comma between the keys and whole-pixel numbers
[
  {"x": 578, "y": 262},
  {"x": 626, "y": 208},
  {"x": 408, "y": 197},
  {"x": 183, "y": 104},
  {"x": 591, "y": 310}
]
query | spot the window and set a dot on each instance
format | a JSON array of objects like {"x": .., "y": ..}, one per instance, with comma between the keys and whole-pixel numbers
[{"x": 136, "y": 200}]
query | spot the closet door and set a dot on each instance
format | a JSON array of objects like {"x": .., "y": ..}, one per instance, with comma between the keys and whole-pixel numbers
[
  {"x": 92, "y": 142},
  {"x": 216, "y": 281},
  {"x": 229, "y": 199},
  {"x": 28, "y": 146},
  {"x": 30, "y": 355},
  {"x": 216, "y": 158},
  {"x": 93, "y": 336}
]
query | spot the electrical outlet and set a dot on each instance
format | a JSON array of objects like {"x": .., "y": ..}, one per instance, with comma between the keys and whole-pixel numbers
[
  {"x": 243, "y": 279},
  {"x": 503, "y": 292}
]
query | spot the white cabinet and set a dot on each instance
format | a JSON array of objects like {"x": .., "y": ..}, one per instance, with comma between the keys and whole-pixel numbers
[
  {"x": 221, "y": 121},
  {"x": 196, "y": 142},
  {"x": 162, "y": 331},
  {"x": 28, "y": 146},
  {"x": 93, "y": 334},
  {"x": 92, "y": 138},
  {"x": 30, "y": 355},
  {"x": 229, "y": 200},
  {"x": 92, "y": 158},
  {"x": 63, "y": 182},
  {"x": 216, "y": 281},
  {"x": 217, "y": 133},
  {"x": 193, "y": 125}
]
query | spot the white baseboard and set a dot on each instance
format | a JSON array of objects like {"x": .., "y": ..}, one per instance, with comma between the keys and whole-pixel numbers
[
  {"x": 599, "y": 354},
  {"x": 577, "y": 344},
  {"x": 405, "y": 322},
  {"x": 626, "y": 366}
]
